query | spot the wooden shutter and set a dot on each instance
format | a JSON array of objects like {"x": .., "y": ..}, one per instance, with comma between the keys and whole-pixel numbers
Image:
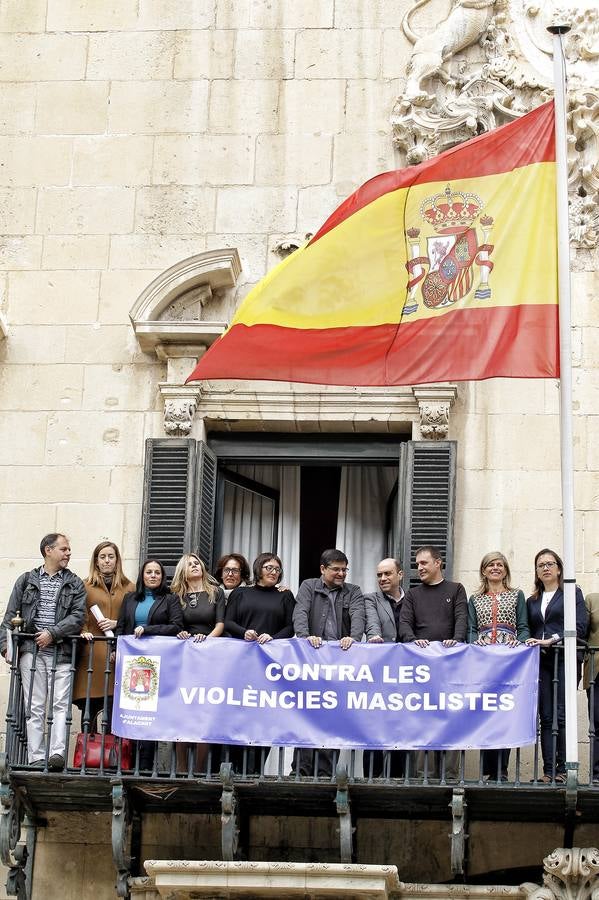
[
  {"x": 426, "y": 501},
  {"x": 205, "y": 503},
  {"x": 167, "y": 513}
]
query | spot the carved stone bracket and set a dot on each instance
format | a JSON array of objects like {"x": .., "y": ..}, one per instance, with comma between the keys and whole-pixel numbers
[
  {"x": 570, "y": 874},
  {"x": 458, "y": 831},
  {"x": 229, "y": 814},
  {"x": 343, "y": 803},
  {"x": 121, "y": 837},
  {"x": 434, "y": 403},
  {"x": 180, "y": 404}
]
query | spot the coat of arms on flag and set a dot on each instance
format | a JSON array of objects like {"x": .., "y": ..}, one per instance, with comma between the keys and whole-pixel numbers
[{"x": 453, "y": 251}]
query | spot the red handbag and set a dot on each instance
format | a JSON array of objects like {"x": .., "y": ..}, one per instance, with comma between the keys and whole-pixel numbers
[{"x": 93, "y": 751}]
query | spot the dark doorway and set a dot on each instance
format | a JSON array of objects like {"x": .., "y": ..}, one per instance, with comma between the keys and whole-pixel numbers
[{"x": 319, "y": 505}]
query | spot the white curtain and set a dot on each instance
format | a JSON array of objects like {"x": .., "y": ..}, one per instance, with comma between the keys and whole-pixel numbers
[
  {"x": 247, "y": 517},
  {"x": 361, "y": 525}
]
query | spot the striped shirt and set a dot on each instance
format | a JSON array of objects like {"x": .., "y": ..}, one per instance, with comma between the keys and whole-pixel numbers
[{"x": 50, "y": 585}]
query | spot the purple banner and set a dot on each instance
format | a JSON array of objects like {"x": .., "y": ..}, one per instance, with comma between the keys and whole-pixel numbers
[{"x": 286, "y": 693}]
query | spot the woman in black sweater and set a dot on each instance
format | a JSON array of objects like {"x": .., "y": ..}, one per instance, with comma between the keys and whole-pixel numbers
[{"x": 261, "y": 612}]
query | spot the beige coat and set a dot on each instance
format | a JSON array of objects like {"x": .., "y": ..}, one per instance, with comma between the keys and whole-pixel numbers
[
  {"x": 110, "y": 604},
  {"x": 592, "y": 605}
]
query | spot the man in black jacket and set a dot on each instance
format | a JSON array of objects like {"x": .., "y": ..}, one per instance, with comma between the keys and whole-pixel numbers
[
  {"x": 51, "y": 602},
  {"x": 434, "y": 610}
]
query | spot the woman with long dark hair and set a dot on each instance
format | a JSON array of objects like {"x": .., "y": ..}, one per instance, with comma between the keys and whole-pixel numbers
[
  {"x": 546, "y": 622},
  {"x": 150, "y": 609}
]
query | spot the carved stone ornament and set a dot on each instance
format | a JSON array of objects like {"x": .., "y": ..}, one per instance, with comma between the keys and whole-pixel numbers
[
  {"x": 489, "y": 62},
  {"x": 434, "y": 404},
  {"x": 180, "y": 405},
  {"x": 570, "y": 874}
]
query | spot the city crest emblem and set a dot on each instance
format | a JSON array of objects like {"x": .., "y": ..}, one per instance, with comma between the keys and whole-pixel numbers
[
  {"x": 454, "y": 250},
  {"x": 140, "y": 681}
]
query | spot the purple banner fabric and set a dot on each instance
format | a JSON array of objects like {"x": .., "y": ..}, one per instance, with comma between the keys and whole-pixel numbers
[{"x": 286, "y": 693}]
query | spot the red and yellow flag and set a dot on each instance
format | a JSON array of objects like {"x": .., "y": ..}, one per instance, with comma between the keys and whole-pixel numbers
[{"x": 446, "y": 271}]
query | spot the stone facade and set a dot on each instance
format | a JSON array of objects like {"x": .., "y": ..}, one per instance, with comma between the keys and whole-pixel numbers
[{"x": 140, "y": 134}]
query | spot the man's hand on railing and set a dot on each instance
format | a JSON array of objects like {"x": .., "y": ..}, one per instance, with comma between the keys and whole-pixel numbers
[{"x": 43, "y": 639}]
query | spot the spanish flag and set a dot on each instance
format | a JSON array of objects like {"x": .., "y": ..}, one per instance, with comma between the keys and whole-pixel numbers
[{"x": 446, "y": 271}]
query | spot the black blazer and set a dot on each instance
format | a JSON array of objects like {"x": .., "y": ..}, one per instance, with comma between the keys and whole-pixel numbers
[
  {"x": 165, "y": 616},
  {"x": 553, "y": 623}
]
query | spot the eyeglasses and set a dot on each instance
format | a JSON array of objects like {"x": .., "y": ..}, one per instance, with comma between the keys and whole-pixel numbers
[
  {"x": 231, "y": 571},
  {"x": 276, "y": 569},
  {"x": 338, "y": 570},
  {"x": 546, "y": 565}
]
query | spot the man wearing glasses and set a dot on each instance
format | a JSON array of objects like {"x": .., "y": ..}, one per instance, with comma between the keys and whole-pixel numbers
[{"x": 327, "y": 609}]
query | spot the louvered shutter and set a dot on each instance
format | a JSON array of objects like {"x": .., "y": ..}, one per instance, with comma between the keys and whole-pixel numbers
[
  {"x": 204, "y": 525},
  {"x": 426, "y": 501},
  {"x": 169, "y": 486}
]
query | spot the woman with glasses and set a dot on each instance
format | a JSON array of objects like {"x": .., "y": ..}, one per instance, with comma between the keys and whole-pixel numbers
[
  {"x": 232, "y": 571},
  {"x": 202, "y": 600},
  {"x": 497, "y": 614},
  {"x": 261, "y": 612},
  {"x": 546, "y": 622}
]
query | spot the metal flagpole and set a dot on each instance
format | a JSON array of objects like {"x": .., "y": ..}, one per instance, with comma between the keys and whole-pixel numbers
[{"x": 558, "y": 30}]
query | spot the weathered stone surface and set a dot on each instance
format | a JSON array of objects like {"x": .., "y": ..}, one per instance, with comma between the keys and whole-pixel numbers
[
  {"x": 90, "y": 210},
  {"x": 130, "y": 55},
  {"x": 112, "y": 160},
  {"x": 60, "y": 297},
  {"x": 42, "y": 57},
  {"x": 355, "y": 53},
  {"x": 175, "y": 210},
  {"x": 75, "y": 251},
  {"x": 243, "y": 107},
  {"x": 153, "y": 107},
  {"x": 204, "y": 54},
  {"x": 255, "y": 209},
  {"x": 203, "y": 159}
]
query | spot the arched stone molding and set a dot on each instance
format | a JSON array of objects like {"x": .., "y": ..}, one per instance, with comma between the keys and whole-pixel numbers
[{"x": 167, "y": 319}]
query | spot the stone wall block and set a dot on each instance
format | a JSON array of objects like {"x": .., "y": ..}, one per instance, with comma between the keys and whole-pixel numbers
[
  {"x": 90, "y": 344},
  {"x": 239, "y": 107},
  {"x": 374, "y": 14},
  {"x": 112, "y": 160},
  {"x": 48, "y": 387},
  {"x": 29, "y": 160},
  {"x": 22, "y": 438},
  {"x": 120, "y": 387},
  {"x": 19, "y": 522},
  {"x": 72, "y": 107},
  {"x": 356, "y": 158},
  {"x": 338, "y": 54},
  {"x": 90, "y": 439},
  {"x": 42, "y": 57},
  {"x": 396, "y": 52},
  {"x": 91, "y": 15},
  {"x": 87, "y": 524},
  {"x": 131, "y": 55},
  {"x": 17, "y": 210},
  {"x": 368, "y": 105},
  {"x": 204, "y": 54},
  {"x": 280, "y": 160},
  {"x": 152, "y": 251},
  {"x": 290, "y": 14},
  {"x": 176, "y": 210},
  {"x": 34, "y": 344},
  {"x": 316, "y": 204},
  {"x": 23, "y": 15},
  {"x": 88, "y": 210},
  {"x": 312, "y": 107},
  {"x": 233, "y": 13},
  {"x": 203, "y": 159},
  {"x": 17, "y": 108},
  {"x": 36, "y": 484},
  {"x": 75, "y": 251},
  {"x": 154, "y": 107},
  {"x": 126, "y": 484},
  {"x": 264, "y": 54},
  {"x": 119, "y": 289},
  {"x": 18, "y": 252},
  {"x": 256, "y": 209},
  {"x": 176, "y": 14},
  {"x": 63, "y": 297}
]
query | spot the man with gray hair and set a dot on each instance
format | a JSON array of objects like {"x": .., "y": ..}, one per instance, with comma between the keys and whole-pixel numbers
[{"x": 51, "y": 601}]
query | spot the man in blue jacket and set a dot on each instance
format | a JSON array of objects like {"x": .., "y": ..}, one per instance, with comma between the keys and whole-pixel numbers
[{"x": 51, "y": 602}]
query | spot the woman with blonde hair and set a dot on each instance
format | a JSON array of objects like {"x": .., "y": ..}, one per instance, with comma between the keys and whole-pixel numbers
[
  {"x": 497, "y": 614},
  {"x": 202, "y": 600},
  {"x": 105, "y": 586}
]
